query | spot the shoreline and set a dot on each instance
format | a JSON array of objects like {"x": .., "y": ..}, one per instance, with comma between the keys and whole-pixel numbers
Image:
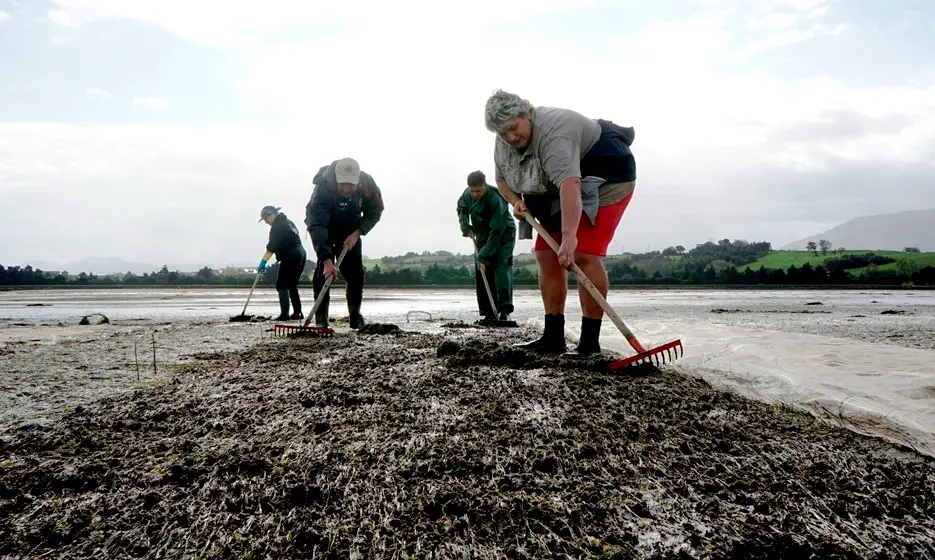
[
  {"x": 533, "y": 287},
  {"x": 448, "y": 442}
]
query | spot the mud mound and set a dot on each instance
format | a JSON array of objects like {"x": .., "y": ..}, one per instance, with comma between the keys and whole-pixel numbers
[
  {"x": 461, "y": 325},
  {"x": 496, "y": 323},
  {"x": 491, "y": 353},
  {"x": 94, "y": 319},
  {"x": 381, "y": 450},
  {"x": 380, "y": 328}
]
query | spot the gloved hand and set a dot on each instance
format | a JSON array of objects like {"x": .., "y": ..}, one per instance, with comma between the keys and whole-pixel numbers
[{"x": 262, "y": 266}]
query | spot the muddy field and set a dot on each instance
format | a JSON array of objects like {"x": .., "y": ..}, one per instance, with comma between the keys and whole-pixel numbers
[
  {"x": 448, "y": 446},
  {"x": 48, "y": 368}
]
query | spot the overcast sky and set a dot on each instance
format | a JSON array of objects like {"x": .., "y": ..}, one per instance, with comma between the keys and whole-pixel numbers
[{"x": 155, "y": 130}]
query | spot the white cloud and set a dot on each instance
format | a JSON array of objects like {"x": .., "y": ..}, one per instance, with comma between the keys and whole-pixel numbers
[
  {"x": 723, "y": 148},
  {"x": 240, "y": 24},
  {"x": 151, "y": 102},
  {"x": 96, "y": 93}
]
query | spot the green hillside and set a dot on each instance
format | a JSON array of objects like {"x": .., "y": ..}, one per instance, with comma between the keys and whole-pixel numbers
[
  {"x": 920, "y": 260},
  {"x": 785, "y": 259}
]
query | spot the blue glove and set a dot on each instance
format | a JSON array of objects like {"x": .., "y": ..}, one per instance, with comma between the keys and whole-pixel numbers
[{"x": 262, "y": 266}]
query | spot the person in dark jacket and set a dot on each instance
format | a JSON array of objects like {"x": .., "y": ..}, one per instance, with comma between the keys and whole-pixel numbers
[
  {"x": 345, "y": 205},
  {"x": 285, "y": 243},
  {"x": 493, "y": 231}
]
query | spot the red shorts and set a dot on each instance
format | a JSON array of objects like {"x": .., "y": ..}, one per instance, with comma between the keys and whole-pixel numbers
[{"x": 592, "y": 240}]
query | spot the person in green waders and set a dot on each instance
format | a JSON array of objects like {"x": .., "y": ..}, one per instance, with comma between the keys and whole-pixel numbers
[{"x": 493, "y": 231}]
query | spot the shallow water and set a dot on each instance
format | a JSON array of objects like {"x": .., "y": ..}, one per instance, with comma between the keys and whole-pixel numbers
[
  {"x": 843, "y": 359},
  {"x": 393, "y": 304}
]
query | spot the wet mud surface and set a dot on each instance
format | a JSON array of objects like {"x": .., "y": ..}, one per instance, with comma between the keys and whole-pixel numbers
[
  {"x": 910, "y": 326},
  {"x": 45, "y": 369},
  {"x": 380, "y": 328},
  {"x": 449, "y": 445}
]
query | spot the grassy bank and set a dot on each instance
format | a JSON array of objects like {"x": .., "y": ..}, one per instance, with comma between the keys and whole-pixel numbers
[{"x": 785, "y": 259}]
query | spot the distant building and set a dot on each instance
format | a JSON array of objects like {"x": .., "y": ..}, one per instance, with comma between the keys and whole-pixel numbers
[{"x": 233, "y": 271}]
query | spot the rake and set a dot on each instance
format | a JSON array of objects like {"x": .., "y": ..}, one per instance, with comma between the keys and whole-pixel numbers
[
  {"x": 243, "y": 317},
  {"x": 305, "y": 330},
  {"x": 495, "y": 321},
  {"x": 658, "y": 355}
]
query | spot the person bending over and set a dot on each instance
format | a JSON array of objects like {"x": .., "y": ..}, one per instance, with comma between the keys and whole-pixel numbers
[
  {"x": 493, "y": 232},
  {"x": 285, "y": 243},
  {"x": 346, "y": 204},
  {"x": 576, "y": 176}
]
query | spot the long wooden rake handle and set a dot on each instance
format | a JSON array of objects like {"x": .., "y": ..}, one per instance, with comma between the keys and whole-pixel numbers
[
  {"x": 255, "y": 280},
  {"x": 589, "y": 286},
  {"x": 493, "y": 306},
  {"x": 324, "y": 290}
]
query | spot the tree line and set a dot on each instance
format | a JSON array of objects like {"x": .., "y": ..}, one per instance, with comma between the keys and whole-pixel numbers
[{"x": 707, "y": 264}]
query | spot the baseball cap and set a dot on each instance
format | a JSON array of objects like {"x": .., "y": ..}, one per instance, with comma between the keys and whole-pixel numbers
[
  {"x": 268, "y": 210},
  {"x": 347, "y": 171}
]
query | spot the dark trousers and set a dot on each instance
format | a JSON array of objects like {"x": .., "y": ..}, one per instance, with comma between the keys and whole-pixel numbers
[
  {"x": 500, "y": 278},
  {"x": 287, "y": 279},
  {"x": 483, "y": 302},
  {"x": 352, "y": 270}
]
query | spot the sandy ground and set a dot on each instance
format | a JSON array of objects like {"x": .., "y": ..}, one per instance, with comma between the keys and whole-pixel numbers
[{"x": 440, "y": 444}]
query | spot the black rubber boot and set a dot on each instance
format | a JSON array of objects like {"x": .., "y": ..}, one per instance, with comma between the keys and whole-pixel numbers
[
  {"x": 321, "y": 314},
  {"x": 552, "y": 340},
  {"x": 356, "y": 319},
  {"x": 283, "y": 305},
  {"x": 296, "y": 304},
  {"x": 589, "y": 345}
]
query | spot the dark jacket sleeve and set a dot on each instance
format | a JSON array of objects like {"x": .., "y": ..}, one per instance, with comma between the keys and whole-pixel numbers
[
  {"x": 494, "y": 207},
  {"x": 464, "y": 213},
  {"x": 317, "y": 215},
  {"x": 371, "y": 206}
]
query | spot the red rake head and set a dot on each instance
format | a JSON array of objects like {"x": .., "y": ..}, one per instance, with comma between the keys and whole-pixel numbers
[
  {"x": 298, "y": 330},
  {"x": 659, "y": 355}
]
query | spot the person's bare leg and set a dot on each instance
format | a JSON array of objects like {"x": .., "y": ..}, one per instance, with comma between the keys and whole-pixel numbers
[
  {"x": 553, "y": 282},
  {"x": 553, "y": 287},
  {"x": 591, "y": 311},
  {"x": 593, "y": 268}
]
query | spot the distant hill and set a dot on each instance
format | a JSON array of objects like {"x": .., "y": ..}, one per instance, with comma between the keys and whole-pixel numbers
[
  {"x": 881, "y": 232},
  {"x": 422, "y": 261}
]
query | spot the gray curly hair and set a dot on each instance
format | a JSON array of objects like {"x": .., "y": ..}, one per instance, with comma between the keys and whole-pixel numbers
[{"x": 503, "y": 106}]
